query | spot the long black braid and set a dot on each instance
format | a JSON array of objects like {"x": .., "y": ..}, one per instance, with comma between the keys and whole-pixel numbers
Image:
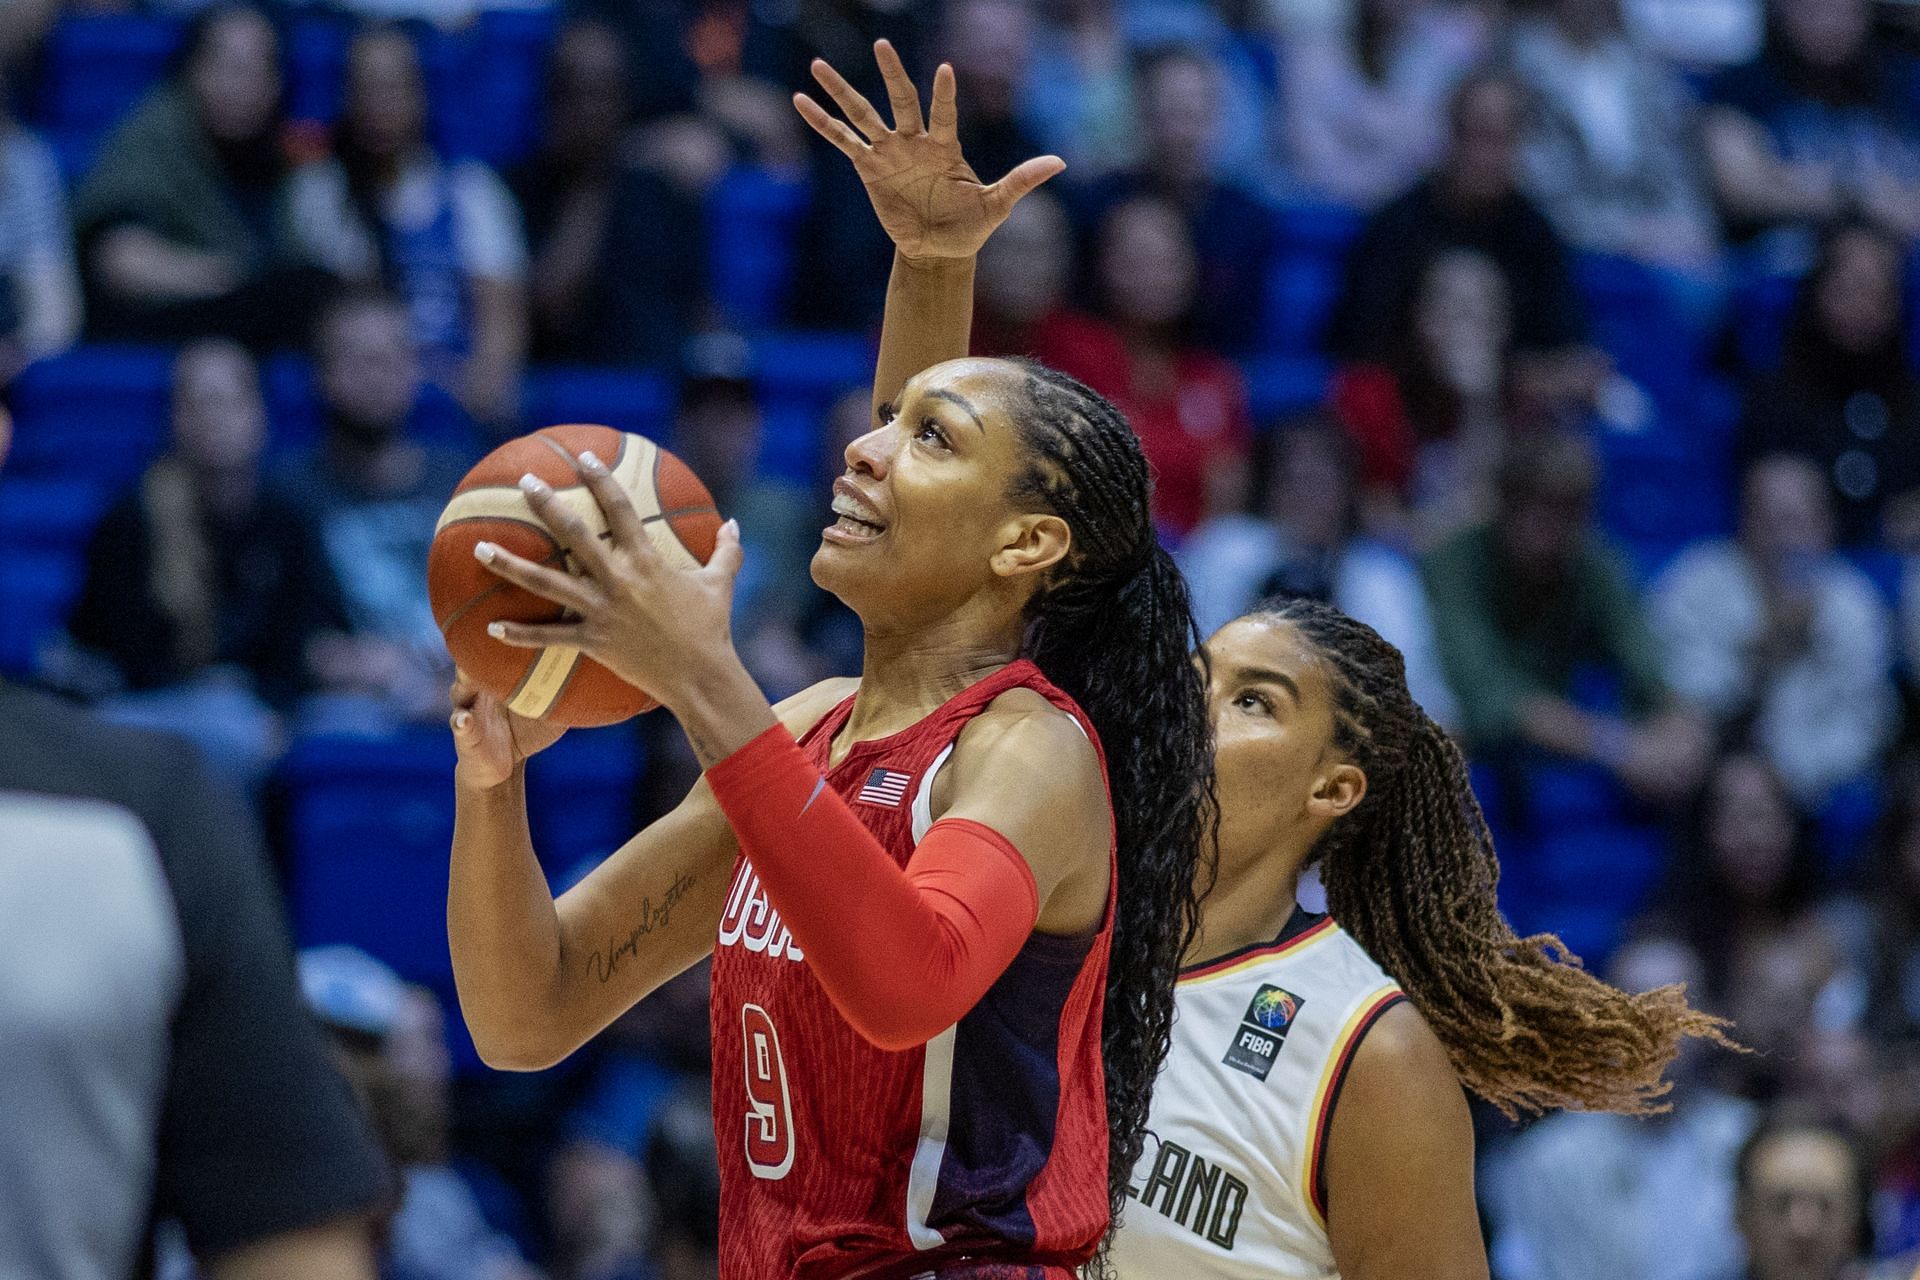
[
  {"x": 1115, "y": 630},
  {"x": 1411, "y": 874}
]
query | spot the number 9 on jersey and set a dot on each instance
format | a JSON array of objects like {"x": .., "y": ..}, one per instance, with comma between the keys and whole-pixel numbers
[{"x": 770, "y": 1111}]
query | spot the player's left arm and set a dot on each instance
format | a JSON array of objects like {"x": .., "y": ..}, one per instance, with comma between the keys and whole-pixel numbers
[{"x": 1399, "y": 1161}]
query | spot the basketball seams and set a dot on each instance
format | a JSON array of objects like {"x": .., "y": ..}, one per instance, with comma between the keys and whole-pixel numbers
[
  {"x": 546, "y": 682},
  {"x": 557, "y": 558}
]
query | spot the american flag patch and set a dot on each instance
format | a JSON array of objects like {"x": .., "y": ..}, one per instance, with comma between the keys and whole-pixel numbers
[{"x": 885, "y": 787}]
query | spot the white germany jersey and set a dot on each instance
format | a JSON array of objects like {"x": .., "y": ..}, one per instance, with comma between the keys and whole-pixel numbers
[{"x": 1230, "y": 1183}]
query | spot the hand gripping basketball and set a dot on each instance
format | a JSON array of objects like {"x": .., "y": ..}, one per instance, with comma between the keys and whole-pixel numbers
[{"x": 658, "y": 627}]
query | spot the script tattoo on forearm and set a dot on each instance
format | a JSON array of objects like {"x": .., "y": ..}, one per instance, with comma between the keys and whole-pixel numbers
[{"x": 653, "y": 915}]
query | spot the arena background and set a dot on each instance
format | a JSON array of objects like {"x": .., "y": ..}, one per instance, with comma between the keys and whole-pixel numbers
[{"x": 1590, "y": 385}]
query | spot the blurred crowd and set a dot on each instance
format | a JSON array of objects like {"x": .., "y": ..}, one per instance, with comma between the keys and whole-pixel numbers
[{"x": 1567, "y": 342}]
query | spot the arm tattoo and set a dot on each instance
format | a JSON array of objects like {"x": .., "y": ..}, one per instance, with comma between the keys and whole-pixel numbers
[
  {"x": 653, "y": 915},
  {"x": 703, "y": 750}
]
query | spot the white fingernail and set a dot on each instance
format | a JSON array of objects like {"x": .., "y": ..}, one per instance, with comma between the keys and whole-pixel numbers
[
  {"x": 531, "y": 483},
  {"x": 587, "y": 456},
  {"x": 498, "y": 630},
  {"x": 484, "y": 552}
]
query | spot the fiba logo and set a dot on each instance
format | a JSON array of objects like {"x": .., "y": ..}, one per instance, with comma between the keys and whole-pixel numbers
[
  {"x": 1273, "y": 1009},
  {"x": 750, "y": 921},
  {"x": 1263, "y": 1029}
]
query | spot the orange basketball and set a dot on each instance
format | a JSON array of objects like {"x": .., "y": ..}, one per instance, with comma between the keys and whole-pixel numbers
[{"x": 557, "y": 684}]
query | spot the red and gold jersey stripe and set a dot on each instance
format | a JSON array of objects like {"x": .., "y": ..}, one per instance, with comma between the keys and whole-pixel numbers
[
  {"x": 1320, "y": 1119},
  {"x": 1235, "y": 961}
]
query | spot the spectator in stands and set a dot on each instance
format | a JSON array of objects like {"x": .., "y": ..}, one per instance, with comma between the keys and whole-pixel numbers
[
  {"x": 1303, "y": 538},
  {"x": 1825, "y": 123},
  {"x": 39, "y": 281},
  {"x": 202, "y": 590},
  {"x": 1077, "y": 99},
  {"x": 374, "y": 495},
  {"x": 1231, "y": 229},
  {"x": 23, "y": 25},
  {"x": 1188, "y": 405},
  {"x": 1022, "y": 279},
  {"x": 686, "y": 1179},
  {"x": 445, "y": 235},
  {"x": 600, "y": 1186},
  {"x": 1610, "y": 150},
  {"x": 1801, "y": 1202},
  {"x": 1845, "y": 396},
  {"x": 1773, "y": 628},
  {"x": 177, "y": 222},
  {"x": 1365, "y": 104},
  {"x": 844, "y": 254},
  {"x": 1604, "y": 1197},
  {"x": 390, "y": 1039},
  {"x": 1430, "y": 418},
  {"x": 1472, "y": 201},
  {"x": 1745, "y": 869},
  {"x": 617, "y": 273},
  {"x": 718, "y": 431},
  {"x": 1531, "y": 606}
]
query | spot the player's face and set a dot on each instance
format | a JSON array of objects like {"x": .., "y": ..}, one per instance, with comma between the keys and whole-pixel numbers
[
  {"x": 922, "y": 520},
  {"x": 1279, "y": 779}
]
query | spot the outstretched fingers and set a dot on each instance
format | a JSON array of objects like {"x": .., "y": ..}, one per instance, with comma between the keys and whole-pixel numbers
[
  {"x": 858, "y": 110},
  {"x": 833, "y": 130},
  {"x": 945, "y": 115},
  {"x": 1026, "y": 176},
  {"x": 900, "y": 91}
]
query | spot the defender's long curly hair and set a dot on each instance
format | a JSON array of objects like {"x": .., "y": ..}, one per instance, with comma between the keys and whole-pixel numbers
[
  {"x": 1411, "y": 874},
  {"x": 1115, "y": 630}
]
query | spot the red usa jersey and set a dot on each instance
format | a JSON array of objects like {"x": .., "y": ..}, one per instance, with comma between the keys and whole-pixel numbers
[{"x": 983, "y": 1152}]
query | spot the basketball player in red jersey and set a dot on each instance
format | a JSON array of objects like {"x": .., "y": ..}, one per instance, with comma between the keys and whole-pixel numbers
[{"x": 944, "y": 926}]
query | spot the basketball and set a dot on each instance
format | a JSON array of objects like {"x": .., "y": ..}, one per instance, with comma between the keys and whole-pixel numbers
[{"x": 556, "y": 684}]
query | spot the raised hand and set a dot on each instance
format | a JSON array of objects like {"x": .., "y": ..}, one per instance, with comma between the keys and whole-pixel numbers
[{"x": 928, "y": 198}]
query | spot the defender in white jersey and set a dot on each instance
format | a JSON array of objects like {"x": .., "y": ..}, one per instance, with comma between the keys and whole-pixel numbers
[
  {"x": 1310, "y": 1123},
  {"x": 1234, "y": 1168}
]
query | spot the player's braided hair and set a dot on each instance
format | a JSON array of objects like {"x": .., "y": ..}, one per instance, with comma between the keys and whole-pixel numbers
[
  {"x": 1115, "y": 630},
  {"x": 1411, "y": 873}
]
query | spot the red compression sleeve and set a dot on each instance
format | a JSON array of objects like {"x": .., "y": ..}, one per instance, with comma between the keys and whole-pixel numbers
[{"x": 903, "y": 954}]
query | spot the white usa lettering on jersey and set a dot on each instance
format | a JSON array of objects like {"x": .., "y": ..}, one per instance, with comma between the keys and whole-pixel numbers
[{"x": 751, "y": 921}]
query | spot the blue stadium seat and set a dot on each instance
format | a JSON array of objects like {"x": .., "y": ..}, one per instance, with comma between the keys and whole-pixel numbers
[
  {"x": 1280, "y": 386},
  {"x": 798, "y": 376},
  {"x": 630, "y": 399},
  {"x": 370, "y": 821},
  {"x": 1635, "y": 320},
  {"x": 49, "y": 515},
  {"x": 98, "y": 65},
  {"x": 1762, "y": 303},
  {"x": 1664, "y": 487},
  {"x": 99, "y": 412},
  {"x": 37, "y": 588},
  {"x": 505, "y": 103},
  {"x": 316, "y": 60},
  {"x": 752, "y": 217},
  {"x": 581, "y": 796},
  {"x": 1309, "y": 261}
]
